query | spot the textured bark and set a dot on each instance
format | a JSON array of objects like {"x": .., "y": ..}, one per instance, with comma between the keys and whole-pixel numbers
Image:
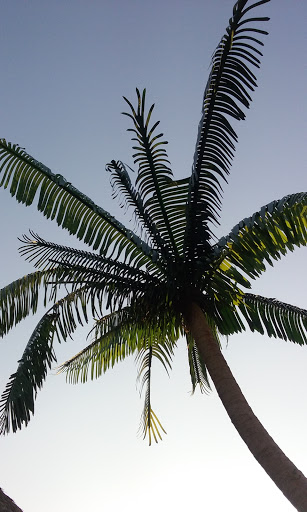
[
  {"x": 289, "y": 479},
  {"x": 6, "y": 504}
]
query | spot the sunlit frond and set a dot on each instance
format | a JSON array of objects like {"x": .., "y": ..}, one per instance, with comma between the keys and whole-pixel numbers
[
  {"x": 115, "y": 337},
  {"x": 150, "y": 424},
  {"x": 265, "y": 236}
]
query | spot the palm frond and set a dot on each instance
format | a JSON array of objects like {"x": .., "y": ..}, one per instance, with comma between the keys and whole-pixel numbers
[
  {"x": 227, "y": 90},
  {"x": 150, "y": 424},
  {"x": 175, "y": 194},
  {"x": 198, "y": 371},
  {"x": 17, "y": 401},
  {"x": 48, "y": 255},
  {"x": 19, "y": 299},
  {"x": 154, "y": 174},
  {"x": 121, "y": 184},
  {"x": 115, "y": 337},
  {"x": 72, "y": 210},
  {"x": 226, "y": 315},
  {"x": 264, "y": 237},
  {"x": 261, "y": 314},
  {"x": 275, "y": 318},
  {"x": 106, "y": 278}
]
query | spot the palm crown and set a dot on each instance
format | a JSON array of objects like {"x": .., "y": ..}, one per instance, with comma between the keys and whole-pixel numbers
[{"x": 137, "y": 286}]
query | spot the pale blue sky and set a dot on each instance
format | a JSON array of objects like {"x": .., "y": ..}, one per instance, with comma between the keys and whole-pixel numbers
[{"x": 64, "y": 69}]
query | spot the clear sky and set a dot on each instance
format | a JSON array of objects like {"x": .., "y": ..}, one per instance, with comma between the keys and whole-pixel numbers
[{"x": 64, "y": 69}]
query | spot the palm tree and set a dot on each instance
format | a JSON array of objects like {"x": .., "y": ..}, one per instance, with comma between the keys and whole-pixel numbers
[{"x": 171, "y": 279}]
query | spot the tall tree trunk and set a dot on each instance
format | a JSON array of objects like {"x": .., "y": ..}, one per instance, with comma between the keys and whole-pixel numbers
[{"x": 291, "y": 481}]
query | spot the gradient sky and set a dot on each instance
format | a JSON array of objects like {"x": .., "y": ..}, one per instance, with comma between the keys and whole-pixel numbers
[{"x": 64, "y": 69}]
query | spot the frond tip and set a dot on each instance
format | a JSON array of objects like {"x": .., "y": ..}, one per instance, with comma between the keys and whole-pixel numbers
[{"x": 151, "y": 425}]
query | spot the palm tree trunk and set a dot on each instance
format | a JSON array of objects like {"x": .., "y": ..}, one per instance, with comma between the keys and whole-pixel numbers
[{"x": 291, "y": 481}]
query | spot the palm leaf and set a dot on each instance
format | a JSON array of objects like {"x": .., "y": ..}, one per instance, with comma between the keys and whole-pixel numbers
[
  {"x": 276, "y": 318},
  {"x": 104, "y": 278},
  {"x": 116, "y": 336},
  {"x": 198, "y": 371},
  {"x": 17, "y": 401},
  {"x": 74, "y": 211},
  {"x": 150, "y": 424},
  {"x": 226, "y": 315},
  {"x": 61, "y": 320},
  {"x": 227, "y": 90},
  {"x": 175, "y": 194},
  {"x": 264, "y": 315},
  {"x": 263, "y": 237},
  {"x": 48, "y": 255},
  {"x": 154, "y": 181},
  {"x": 19, "y": 299},
  {"x": 121, "y": 184}
]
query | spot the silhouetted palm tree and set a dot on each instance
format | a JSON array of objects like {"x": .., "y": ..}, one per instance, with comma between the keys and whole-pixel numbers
[{"x": 172, "y": 278}]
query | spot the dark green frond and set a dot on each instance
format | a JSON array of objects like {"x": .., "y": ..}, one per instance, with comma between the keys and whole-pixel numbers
[
  {"x": 103, "y": 277},
  {"x": 48, "y": 255},
  {"x": 74, "y": 211},
  {"x": 174, "y": 195},
  {"x": 17, "y": 401},
  {"x": 264, "y": 315},
  {"x": 275, "y": 318},
  {"x": 198, "y": 371},
  {"x": 226, "y": 317},
  {"x": 121, "y": 184},
  {"x": 71, "y": 310},
  {"x": 265, "y": 236},
  {"x": 19, "y": 299},
  {"x": 227, "y": 91},
  {"x": 153, "y": 174}
]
